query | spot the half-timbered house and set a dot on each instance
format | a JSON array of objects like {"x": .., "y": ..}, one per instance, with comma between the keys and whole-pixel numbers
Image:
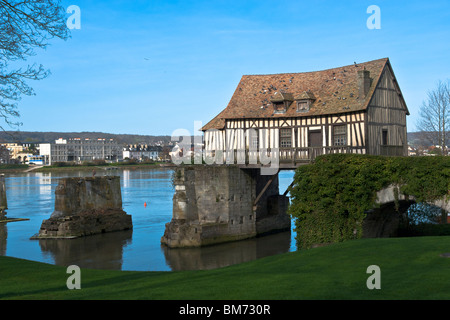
[{"x": 358, "y": 108}]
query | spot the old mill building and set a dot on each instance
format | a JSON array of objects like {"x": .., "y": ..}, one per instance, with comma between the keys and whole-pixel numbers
[
  {"x": 358, "y": 108},
  {"x": 288, "y": 119}
]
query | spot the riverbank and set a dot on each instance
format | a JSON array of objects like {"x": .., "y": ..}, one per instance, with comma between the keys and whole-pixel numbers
[
  {"x": 410, "y": 268},
  {"x": 5, "y": 169},
  {"x": 13, "y": 220}
]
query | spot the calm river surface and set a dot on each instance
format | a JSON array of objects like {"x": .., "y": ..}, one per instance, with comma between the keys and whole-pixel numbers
[{"x": 32, "y": 196}]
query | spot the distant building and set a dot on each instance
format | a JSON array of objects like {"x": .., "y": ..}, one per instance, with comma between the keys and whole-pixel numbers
[
  {"x": 4, "y": 155},
  {"x": 18, "y": 152},
  {"x": 142, "y": 152},
  {"x": 45, "y": 152},
  {"x": 79, "y": 150},
  {"x": 37, "y": 160},
  {"x": 24, "y": 157},
  {"x": 15, "y": 151},
  {"x": 412, "y": 151}
]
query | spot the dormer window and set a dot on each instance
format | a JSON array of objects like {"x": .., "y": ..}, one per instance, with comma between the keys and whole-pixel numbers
[
  {"x": 281, "y": 102},
  {"x": 303, "y": 106},
  {"x": 279, "y": 107},
  {"x": 304, "y": 101}
]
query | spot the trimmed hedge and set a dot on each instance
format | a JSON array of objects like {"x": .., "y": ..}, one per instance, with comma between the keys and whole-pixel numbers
[{"x": 330, "y": 197}]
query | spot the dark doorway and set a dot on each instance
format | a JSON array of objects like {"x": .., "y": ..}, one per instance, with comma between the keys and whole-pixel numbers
[
  {"x": 315, "y": 142},
  {"x": 384, "y": 141},
  {"x": 315, "y": 139}
]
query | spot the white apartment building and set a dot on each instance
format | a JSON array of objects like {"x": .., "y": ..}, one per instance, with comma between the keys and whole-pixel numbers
[
  {"x": 79, "y": 150},
  {"x": 142, "y": 152}
]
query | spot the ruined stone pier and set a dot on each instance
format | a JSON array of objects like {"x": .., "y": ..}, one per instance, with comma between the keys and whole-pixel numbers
[
  {"x": 216, "y": 204},
  {"x": 86, "y": 206},
  {"x": 3, "y": 201}
]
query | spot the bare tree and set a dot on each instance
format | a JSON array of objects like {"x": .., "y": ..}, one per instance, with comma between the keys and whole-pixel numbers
[
  {"x": 435, "y": 115},
  {"x": 25, "y": 25}
]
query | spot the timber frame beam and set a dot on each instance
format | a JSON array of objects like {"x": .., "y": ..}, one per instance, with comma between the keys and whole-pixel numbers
[{"x": 264, "y": 190}]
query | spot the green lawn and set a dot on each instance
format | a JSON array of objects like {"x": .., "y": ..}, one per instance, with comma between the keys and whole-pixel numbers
[{"x": 411, "y": 268}]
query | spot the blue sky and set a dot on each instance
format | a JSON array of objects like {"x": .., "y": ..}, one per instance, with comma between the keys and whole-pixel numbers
[{"x": 151, "y": 67}]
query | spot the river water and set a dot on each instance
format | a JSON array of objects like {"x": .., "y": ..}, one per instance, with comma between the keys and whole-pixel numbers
[{"x": 32, "y": 196}]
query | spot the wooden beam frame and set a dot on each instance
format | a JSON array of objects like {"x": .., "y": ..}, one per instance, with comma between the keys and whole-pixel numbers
[{"x": 264, "y": 189}]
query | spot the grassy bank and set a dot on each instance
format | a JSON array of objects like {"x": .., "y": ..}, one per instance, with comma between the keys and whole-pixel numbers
[
  {"x": 98, "y": 168},
  {"x": 5, "y": 169},
  {"x": 411, "y": 268},
  {"x": 13, "y": 168}
]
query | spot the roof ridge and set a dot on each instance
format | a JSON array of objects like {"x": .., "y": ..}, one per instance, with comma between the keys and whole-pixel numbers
[{"x": 329, "y": 69}]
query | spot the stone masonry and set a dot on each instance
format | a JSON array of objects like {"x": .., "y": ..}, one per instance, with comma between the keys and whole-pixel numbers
[
  {"x": 86, "y": 206},
  {"x": 3, "y": 201},
  {"x": 215, "y": 204}
]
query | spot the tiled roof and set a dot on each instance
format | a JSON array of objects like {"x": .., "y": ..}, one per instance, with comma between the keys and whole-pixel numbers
[
  {"x": 332, "y": 91},
  {"x": 282, "y": 96}
]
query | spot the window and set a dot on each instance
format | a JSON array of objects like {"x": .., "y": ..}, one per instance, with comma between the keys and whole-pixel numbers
[
  {"x": 303, "y": 106},
  {"x": 285, "y": 138},
  {"x": 340, "y": 135},
  {"x": 384, "y": 137},
  {"x": 280, "y": 107},
  {"x": 254, "y": 139}
]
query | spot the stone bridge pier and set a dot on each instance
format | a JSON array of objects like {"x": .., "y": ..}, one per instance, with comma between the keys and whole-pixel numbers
[
  {"x": 216, "y": 204},
  {"x": 85, "y": 206},
  {"x": 3, "y": 201}
]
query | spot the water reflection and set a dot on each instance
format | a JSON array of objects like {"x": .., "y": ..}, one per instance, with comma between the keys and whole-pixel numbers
[
  {"x": 45, "y": 183},
  {"x": 103, "y": 251},
  {"x": 3, "y": 236},
  {"x": 32, "y": 195},
  {"x": 222, "y": 255}
]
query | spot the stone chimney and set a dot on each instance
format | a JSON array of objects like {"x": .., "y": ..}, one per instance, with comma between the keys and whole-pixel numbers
[{"x": 364, "y": 82}]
